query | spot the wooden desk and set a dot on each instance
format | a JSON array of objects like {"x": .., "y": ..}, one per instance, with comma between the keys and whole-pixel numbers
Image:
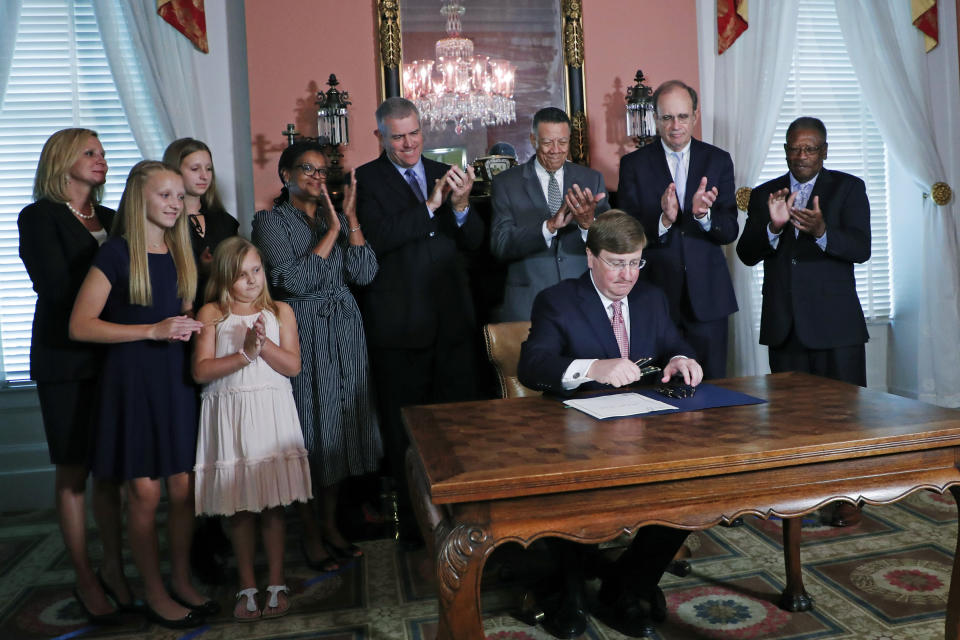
[{"x": 484, "y": 473}]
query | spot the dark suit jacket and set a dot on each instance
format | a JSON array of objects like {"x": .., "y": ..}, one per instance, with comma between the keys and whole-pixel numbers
[
  {"x": 569, "y": 322},
  {"x": 516, "y": 235},
  {"x": 686, "y": 252},
  {"x": 57, "y": 251},
  {"x": 422, "y": 280},
  {"x": 812, "y": 290}
]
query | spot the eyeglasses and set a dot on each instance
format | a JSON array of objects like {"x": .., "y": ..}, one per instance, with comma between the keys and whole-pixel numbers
[
  {"x": 310, "y": 170},
  {"x": 804, "y": 150},
  {"x": 682, "y": 118},
  {"x": 620, "y": 265}
]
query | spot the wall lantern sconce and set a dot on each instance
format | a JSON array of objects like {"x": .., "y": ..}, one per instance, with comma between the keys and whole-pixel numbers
[{"x": 640, "y": 112}]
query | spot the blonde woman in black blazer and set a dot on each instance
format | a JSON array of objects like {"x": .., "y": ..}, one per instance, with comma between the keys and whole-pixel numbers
[{"x": 59, "y": 237}]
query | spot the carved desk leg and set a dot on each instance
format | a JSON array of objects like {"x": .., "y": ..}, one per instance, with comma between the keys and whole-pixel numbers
[
  {"x": 794, "y": 597},
  {"x": 460, "y": 558},
  {"x": 459, "y": 552},
  {"x": 952, "y": 628}
]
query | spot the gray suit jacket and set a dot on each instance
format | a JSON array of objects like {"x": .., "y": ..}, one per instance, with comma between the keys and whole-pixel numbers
[{"x": 516, "y": 235}]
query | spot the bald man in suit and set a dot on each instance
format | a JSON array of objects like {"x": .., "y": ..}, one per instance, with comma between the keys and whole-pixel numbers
[{"x": 682, "y": 190}]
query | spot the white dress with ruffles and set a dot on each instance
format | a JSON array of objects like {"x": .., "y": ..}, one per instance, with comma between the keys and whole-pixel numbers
[{"x": 250, "y": 453}]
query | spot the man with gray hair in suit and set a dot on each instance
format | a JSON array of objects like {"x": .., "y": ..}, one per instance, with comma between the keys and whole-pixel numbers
[{"x": 542, "y": 210}]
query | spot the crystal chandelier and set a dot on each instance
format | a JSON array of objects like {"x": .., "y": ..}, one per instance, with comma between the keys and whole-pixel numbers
[{"x": 458, "y": 86}]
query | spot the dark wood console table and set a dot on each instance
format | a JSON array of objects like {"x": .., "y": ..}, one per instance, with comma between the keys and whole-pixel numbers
[{"x": 494, "y": 471}]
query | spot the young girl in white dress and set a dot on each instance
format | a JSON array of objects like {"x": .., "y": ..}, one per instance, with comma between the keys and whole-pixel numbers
[{"x": 250, "y": 453}]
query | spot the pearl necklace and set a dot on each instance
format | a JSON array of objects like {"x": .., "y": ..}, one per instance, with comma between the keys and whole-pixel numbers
[{"x": 80, "y": 214}]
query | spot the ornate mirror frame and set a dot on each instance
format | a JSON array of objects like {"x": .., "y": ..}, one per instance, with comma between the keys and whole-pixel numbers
[{"x": 391, "y": 47}]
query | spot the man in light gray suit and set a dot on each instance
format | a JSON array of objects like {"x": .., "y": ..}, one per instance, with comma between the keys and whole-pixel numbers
[{"x": 542, "y": 210}]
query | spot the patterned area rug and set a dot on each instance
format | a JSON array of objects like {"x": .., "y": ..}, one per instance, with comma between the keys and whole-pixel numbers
[{"x": 885, "y": 579}]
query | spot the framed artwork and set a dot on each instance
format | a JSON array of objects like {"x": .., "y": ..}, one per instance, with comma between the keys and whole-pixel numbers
[{"x": 542, "y": 38}]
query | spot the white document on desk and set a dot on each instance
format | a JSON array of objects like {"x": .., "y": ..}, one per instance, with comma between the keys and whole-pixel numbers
[{"x": 617, "y": 405}]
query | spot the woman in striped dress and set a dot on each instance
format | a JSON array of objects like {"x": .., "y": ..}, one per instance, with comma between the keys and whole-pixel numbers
[{"x": 312, "y": 253}]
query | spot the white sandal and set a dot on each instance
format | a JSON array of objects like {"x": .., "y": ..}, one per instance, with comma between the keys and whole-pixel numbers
[
  {"x": 273, "y": 602},
  {"x": 251, "y": 606}
]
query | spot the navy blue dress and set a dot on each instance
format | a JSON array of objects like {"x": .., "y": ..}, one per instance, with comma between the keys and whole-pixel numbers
[{"x": 147, "y": 426}]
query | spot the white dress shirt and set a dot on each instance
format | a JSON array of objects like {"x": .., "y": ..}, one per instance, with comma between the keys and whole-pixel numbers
[
  {"x": 576, "y": 373},
  {"x": 672, "y": 164}
]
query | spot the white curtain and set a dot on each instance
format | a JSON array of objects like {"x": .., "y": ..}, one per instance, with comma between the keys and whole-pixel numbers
[
  {"x": 165, "y": 80},
  {"x": 740, "y": 95},
  {"x": 914, "y": 96},
  {"x": 9, "y": 19}
]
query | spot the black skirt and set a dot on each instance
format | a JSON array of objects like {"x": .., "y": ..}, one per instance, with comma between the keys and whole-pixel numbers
[{"x": 68, "y": 410}]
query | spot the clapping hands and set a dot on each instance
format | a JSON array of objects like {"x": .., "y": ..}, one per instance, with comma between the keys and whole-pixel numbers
[
  {"x": 255, "y": 337},
  {"x": 779, "y": 204},
  {"x": 582, "y": 203}
]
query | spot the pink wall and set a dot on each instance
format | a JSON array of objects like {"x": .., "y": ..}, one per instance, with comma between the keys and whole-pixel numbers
[
  {"x": 290, "y": 46},
  {"x": 619, "y": 36},
  {"x": 291, "y": 51}
]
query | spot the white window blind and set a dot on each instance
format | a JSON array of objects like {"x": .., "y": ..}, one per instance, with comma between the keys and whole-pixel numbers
[
  {"x": 59, "y": 78},
  {"x": 823, "y": 84}
]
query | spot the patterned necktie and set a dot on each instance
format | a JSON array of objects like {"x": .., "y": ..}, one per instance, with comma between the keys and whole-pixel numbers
[
  {"x": 680, "y": 177},
  {"x": 553, "y": 193},
  {"x": 414, "y": 184},
  {"x": 804, "y": 194},
  {"x": 620, "y": 330}
]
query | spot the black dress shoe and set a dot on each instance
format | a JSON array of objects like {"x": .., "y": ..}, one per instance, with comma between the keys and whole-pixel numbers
[
  {"x": 566, "y": 620},
  {"x": 679, "y": 568},
  {"x": 631, "y": 614},
  {"x": 192, "y": 619}
]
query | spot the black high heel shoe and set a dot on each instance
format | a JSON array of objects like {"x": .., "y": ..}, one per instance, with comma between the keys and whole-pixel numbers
[
  {"x": 134, "y": 606},
  {"x": 99, "y": 619}
]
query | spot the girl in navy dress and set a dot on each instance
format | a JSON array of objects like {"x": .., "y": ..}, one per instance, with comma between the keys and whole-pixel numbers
[{"x": 136, "y": 299}]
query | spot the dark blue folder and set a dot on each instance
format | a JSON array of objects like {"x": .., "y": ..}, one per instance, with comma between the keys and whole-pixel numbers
[{"x": 707, "y": 396}]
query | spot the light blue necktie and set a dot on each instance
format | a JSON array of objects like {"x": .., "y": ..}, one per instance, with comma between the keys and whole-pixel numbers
[{"x": 680, "y": 177}]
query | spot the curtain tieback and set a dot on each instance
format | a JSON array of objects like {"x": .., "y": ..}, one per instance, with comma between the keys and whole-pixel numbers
[{"x": 940, "y": 192}]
